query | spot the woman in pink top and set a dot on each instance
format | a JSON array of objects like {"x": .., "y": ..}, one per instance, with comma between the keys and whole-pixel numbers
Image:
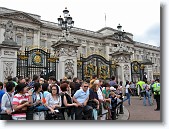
[{"x": 21, "y": 101}]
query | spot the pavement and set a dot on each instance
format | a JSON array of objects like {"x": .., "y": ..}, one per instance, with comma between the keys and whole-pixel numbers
[
  {"x": 137, "y": 111},
  {"x": 124, "y": 116}
]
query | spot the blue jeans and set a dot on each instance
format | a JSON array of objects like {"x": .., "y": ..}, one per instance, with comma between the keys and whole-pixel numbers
[
  {"x": 128, "y": 98},
  {"x": 147, "y": 95}
]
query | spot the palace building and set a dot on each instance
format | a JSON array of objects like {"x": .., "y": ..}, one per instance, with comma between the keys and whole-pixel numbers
[{"x": 128, "y": 59}]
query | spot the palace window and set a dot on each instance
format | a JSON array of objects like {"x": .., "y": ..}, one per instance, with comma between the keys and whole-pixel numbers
[
  {"x": 137, "y": 57},
  {"x": 142, "y": 56},
  {"x": 29, "y": 41},
  {"x": 115, "y": 45},
  {"x": 84, "y": 50},
  {"x": 42, "y": 43},
  {"x": 92, "y": 49},
  {"x": 100, "y": 51},
  {"x": 19, "y": 39}
]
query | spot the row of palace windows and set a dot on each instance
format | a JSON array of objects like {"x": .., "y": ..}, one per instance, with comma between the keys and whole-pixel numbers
[
  {"x": 29, "y": 41},
  {"x": 155, "y": 60}
]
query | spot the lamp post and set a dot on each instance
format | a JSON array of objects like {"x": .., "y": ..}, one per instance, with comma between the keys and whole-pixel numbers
[
  {"x": 66, "y": 23},
  {"x": 119, "y": 34}
]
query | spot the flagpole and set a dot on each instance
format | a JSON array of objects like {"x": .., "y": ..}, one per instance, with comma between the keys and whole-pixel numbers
[{"x": 105, "y": 19}]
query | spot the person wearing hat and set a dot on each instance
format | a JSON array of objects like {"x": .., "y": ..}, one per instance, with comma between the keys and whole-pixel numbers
[
  {"x": 156, "y": 93},
  {"x": 41, "y": 81}
]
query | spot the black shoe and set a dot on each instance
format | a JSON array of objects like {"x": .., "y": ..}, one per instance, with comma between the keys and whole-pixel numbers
[{"x": 156, "y": 109}]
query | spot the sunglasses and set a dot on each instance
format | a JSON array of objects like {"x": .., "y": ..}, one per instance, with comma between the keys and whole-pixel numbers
[{"x": 86, "y": 86}]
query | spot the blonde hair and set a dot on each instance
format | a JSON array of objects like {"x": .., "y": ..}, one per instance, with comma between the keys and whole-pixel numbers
[
  {"x": 112, "y": 93},
  {"x": 5, "y": 81},
  {"x": 91, "y": 83},
  {"x": 64, "y": 79}
]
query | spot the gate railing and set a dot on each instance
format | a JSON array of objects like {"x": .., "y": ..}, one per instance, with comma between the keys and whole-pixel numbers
[
  {"x": 95, "y": 64},
  {"x": 36, "y": 61}
]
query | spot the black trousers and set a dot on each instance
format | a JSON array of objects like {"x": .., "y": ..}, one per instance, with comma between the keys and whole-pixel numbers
[
  {"x": 157, "y": 97},
  {"x": 86, "y": 110}
]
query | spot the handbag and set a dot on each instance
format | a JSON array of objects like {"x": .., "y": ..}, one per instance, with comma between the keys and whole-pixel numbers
[
  {"x": 5, "y": 117},
  {"x": 40, "y": 108},
  {"x": 106, "y": 105},
  {"x": 92, "y": 103}
]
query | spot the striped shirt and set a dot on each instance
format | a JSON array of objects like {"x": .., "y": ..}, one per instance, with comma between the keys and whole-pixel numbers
[{"x": 17, "y": 100}]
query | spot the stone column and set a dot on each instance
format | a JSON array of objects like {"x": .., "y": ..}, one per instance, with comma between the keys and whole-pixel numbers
[
  {"x": 2, "y": 30},
  {"x": 125, "y": 69},
  {"x": 150, "y": 74},
  {"x": 36, "y": 38},
  {"x": 107, "y": 51},
  {"x": 121, "y": 76},
  {"x": 24, "y": 38}
]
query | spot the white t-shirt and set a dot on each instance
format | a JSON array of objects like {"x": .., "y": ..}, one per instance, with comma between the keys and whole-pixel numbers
[
  {"x": 99, "y": 93},
  {"x": 127, "y": 88},
  {"x": 51, "y": 101}
]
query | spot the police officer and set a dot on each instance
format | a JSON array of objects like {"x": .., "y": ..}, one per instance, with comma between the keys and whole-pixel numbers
[{"x": 156, "y": 93}]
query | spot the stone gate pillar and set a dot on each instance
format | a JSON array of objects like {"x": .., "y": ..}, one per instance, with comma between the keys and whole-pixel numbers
[
  {"x": 8, "y": 53},
  {"x": 66, "y": 49},
  {"x": 121, "y": 57},
  {"x": 8, "y": 61}
]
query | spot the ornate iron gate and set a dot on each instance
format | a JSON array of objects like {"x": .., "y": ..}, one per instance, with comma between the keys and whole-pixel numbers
[
  {"x": 137, "y": 71},
  {"x": 36, "y": 61},
  {"x": 94, "y": 64}
]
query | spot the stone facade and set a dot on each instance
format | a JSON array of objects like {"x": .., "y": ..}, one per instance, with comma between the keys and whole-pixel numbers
[{"x": 31, "y": 30}]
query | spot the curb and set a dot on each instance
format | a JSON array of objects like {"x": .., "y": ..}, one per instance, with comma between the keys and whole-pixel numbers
[{"x": 124, "y": 116}]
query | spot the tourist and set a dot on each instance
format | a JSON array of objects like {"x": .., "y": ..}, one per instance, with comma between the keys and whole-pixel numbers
[
  {"x": 94, "y": 100},
  {"x": 6, "y": 104},
  {"x": 81, "y": 98},
  {"x": 67, "y": 102},
  {"x": 112, "y": 81},
  {"x": 45, "y": 89},
  {"x": 35, "y": 80},
  {"x": 2, "y": 92},
  {"x": 37, "y": 98},
  {"x": 146, "y": 94},
  {"x": 127, "y": 86},
  {"x": 53, "y": 100},
  {"x": 106, "y": 93},
  {"x": 21, "y": 101}
]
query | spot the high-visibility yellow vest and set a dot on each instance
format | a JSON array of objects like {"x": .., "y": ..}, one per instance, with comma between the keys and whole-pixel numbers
[
  {"x": 156, "y": 88},
  {"x": 141, "y": 84}
]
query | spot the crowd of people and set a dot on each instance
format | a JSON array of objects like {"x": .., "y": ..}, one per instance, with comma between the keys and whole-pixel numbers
[{"x": 71, "y": 98}]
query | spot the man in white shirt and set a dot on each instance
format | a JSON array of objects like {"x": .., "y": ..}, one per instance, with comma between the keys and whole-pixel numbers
[{"x": 101, "y": 100}]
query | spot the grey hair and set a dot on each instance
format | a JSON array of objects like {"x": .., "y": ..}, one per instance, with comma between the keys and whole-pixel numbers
[{"x": 84, "y": 83}]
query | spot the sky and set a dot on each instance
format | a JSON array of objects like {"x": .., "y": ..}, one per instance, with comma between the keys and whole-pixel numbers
[{"x": 139, "y": 17}]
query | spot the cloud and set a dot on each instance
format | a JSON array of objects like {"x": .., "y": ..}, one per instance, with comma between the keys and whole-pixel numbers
[{"x": 150, "y": 36}]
